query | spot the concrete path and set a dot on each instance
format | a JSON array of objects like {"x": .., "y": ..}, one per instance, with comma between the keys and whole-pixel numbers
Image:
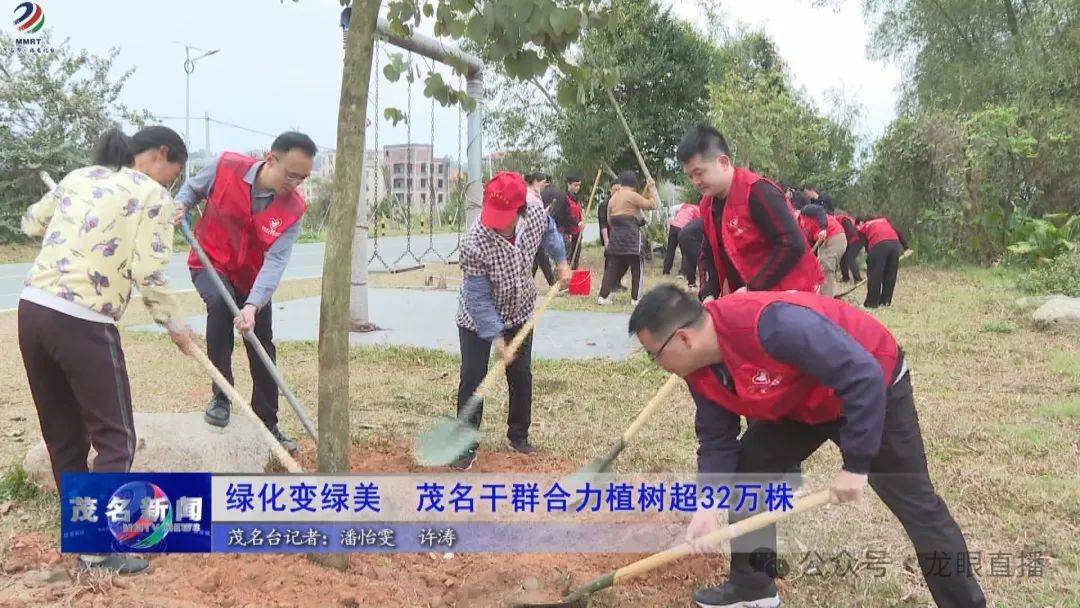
[
  {"x": 410, "y": 317},
  {"x": 306, "y": 262}
]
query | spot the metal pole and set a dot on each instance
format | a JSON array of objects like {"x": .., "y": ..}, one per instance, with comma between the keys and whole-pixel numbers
[
  {"x": 207, "y": 116},
  {"x": 189, "y": 67},
  {"x": 475, "y": 191}
]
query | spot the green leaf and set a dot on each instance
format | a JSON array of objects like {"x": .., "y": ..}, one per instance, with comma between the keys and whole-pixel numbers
[{"x": 394, "y": 115}]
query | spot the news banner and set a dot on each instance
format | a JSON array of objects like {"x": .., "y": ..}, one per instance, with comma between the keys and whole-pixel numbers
[{"x": 216, "y": 513}]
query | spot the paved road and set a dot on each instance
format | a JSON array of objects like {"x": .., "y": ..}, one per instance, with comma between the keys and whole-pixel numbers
[{"x": 307, "y": 262}]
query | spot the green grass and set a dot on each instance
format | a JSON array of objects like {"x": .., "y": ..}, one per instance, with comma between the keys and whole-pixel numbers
[
  {"x": 15, "y": 485},
  {"x": 999, "y": 327},
  {"x": 1061, "y": 411}
]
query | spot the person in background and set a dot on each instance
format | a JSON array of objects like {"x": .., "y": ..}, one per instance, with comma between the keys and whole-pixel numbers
[
  {"x": 807, "y": 369},
  {"x": 624, "y": 250},
  {"x": 573, "y": 241},
  {"x": 106, "y": 228},
  {"x": 681, "y": 215},
  {"x": 690, "y": 239},
  {"x": 849, "y": 263},
  {"x": 826, "y": 236},
  {"x": 752, "y": 241},
  {"x": 498, "y": 294},
  {"x": 538, "y": 183},
  {"x": 248, "y": 228},
  {"x": 884, "y": 244}
]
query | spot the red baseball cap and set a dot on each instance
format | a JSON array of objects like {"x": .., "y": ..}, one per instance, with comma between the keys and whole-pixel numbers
[{"x": 504, "y": 197}]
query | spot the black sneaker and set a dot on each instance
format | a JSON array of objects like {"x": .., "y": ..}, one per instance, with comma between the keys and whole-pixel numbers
[
  {"x": 286, "y": 442},
  {"x": 523, "y": 446},
  {"x": 730, "y": 596},
  {"x": 217, "y": 413},
  {"x": 117, "y": 563},
  {"x": 465, "y": 461}
]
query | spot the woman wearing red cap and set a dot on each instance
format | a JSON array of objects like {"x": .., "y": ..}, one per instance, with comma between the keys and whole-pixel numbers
[{"x": 498, "y": 295}]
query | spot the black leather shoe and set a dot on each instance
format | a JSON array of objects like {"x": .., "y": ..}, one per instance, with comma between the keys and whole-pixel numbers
[
  {"x": 730, "y": 596},
  {"x": 217, "y": 413},
  {"x": 286, "y": 442},
  {"x": 523, "y": 446}
]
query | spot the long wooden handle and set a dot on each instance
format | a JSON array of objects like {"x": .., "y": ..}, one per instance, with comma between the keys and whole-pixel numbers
[
  {"x": 626, "y": 127},
  {"x": 732, "y": 531},
  {"x": 515, "y": 344},
  {"x": 588, "y": 210},
  {"x": 282, "y": 455},
  {"x": 646, "y": 413},
  {"x": 907, "y": 254}
]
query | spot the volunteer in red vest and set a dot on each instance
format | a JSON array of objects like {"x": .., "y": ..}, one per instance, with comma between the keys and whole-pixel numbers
[
  {"x": 752, "y": 241},
  {"x": 807, "y": 368},
  {"x": 681, "y": 215},
  {"x": 849, "y": 265},
  {"x": 883, "y": 248},
  {"x": 248, "y": 228},
  {"x": 573, "y": 232},
  {"x": 824, "y": 233}
]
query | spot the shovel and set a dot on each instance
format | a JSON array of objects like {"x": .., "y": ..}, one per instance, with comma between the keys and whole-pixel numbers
[
  {"x": 580, "y": 597},
  {"x": 449, "y": 439},
  {"x": 280, "y": 452},
  {"x": 249, "y": 335},
  {"x": 853, "y": 288},
  {"x": 601, "y": 464}
]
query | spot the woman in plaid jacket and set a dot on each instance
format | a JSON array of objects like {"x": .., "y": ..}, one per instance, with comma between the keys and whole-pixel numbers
[{"x": 498, "y": 295}]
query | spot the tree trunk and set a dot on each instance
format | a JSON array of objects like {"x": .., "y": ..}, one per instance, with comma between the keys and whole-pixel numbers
[{"x": 334, "y": 310}]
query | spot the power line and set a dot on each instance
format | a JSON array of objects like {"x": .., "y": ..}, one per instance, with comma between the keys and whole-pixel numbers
[{"x": 236, "y": 126}]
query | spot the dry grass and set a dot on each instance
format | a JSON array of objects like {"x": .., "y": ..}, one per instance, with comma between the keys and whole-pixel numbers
[
  {"x": 1000, "y": 413},
  {"x": 15, "y": 253}
]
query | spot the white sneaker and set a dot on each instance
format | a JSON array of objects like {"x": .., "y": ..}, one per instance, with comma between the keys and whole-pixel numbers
[
  {"x": 603, "y": 301},
  {"x": 633, "y": 302}
]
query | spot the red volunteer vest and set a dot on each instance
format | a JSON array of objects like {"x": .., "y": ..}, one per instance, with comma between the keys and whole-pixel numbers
[
  {"x": 767, "y": 389},
  {"x": 844, "y": 218},
  {"x": 811, "y": 228},
  {"x": 575, "y": 214},
  {"x": 234, "y": 238},
  {"x": 878, "y": 231},
  {"x": 746, "y": 245}
]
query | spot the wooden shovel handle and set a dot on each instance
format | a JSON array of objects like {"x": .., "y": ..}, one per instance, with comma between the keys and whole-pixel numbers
[
  {"x": 647, "y": 412},
  {"x": 515, "y": 344},
  {"x": 629, "y": 135},
  {"x": 732, "y": 531},
  {"x": 282, "y": 455}
]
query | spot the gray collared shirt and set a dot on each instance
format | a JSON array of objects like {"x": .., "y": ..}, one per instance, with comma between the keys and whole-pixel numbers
[{"x": 197, "y": 188}]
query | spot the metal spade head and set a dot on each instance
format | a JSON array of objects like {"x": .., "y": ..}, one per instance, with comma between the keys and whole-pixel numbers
[
  {"x": 586, "y": 474},
  {"x": 445, "y": 442}
]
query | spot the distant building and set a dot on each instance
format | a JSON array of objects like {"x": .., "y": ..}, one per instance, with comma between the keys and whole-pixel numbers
[
  {"x": 415, "y": 176},
  {"x": 322, "y": 175}
]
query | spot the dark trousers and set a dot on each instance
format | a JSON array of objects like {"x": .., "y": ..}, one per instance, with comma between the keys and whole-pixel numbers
[
  {"x": 882, "y": 262},
  {"x": 669, "y": 250},
  {"x": 615, "y": 266},
  {"x": 78, "y": 378},
  {"x": 219, "y": 344},
  {"x": 849, "y": 264},
  {"x": 542, "y": 262},
  {"x": 898, "y": 475},
  {"x": 691, "y": 251},
  {"x": 475, "y": 352}
]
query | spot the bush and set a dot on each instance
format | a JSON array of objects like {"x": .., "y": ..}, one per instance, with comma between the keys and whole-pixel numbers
[{"x": 1059, "y": 275}]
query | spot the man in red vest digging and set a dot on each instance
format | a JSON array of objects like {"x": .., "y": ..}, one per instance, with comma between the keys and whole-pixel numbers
[
  {"x": 807, "y": 368},
  {"x": 248, "y": 228},
  {"x": 752, "y": 242}
]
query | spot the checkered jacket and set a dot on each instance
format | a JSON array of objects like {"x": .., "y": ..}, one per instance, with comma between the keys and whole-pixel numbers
[{"x": 507, "y": 265}]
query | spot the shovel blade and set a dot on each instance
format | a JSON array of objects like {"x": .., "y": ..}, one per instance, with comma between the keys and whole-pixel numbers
[
  {"x": 589, "y": 473},
  {"x": 444, "y": 443}
]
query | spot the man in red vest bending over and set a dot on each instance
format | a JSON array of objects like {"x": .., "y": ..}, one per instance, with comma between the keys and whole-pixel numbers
[
  {"x": 248, "y": 228},
  {"x": 752, "y": 242},
  {"x": 884, "y": 244},
  {"x": 807, "y": 368}
]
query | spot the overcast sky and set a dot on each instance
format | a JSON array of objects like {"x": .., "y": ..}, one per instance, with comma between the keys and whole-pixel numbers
[{"x": 279, "y": 64}]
